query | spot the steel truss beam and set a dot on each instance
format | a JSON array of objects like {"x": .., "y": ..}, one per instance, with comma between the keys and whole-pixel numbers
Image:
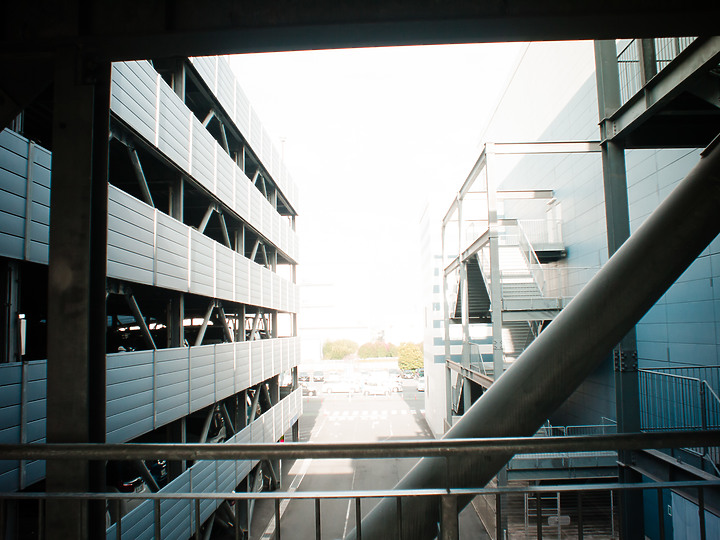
[{"x": 682, "y": 72}]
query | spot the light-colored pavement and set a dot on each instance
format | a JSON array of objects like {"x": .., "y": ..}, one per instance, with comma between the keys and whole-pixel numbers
[{"x": 343, "y": 418}]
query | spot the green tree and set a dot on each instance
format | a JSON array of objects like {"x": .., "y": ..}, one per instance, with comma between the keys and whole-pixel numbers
[
  {"x": 339, "y": 349},
  {"x": 410, "y": 356},
  {"x": 378, "y": 349}
]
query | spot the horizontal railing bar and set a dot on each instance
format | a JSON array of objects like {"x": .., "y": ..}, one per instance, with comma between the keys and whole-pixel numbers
[
  {"x": 680, "y": 368},
  {"x": 365, "y": 494},
  {"x": 369, "y": 450},
  {"x": 668, "y": 375}
]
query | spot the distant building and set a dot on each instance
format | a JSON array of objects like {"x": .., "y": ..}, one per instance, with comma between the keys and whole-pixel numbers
[{"x": 547, "y": 201}]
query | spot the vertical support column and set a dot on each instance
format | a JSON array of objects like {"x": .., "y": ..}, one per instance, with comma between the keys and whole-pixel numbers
[
  {"x": 495, "y": 279},
  {"x": 176, "y": 206},
  {"x": 176, "y": 198},
  {"x": 648, "y": 59},
  {"x": 465, "y": 312},
  {"x": 618, "y": 230},
  {"x": 178, "y": 78},
  {"x": 449, "y": 526},
  {"x": 76, "y": 299},
  {"x": 495, "y": 298},
  {"x": 446, "y": 332},
  {"x": 9, "y": 314},
  {"x": 176, "y": 433},
  {"x": 175, "y": 318}
]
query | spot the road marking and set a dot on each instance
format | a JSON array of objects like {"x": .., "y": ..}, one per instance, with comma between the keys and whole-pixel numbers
[
  {"x": 347, "y": 514},
  {"x": 270, "y": 529}
]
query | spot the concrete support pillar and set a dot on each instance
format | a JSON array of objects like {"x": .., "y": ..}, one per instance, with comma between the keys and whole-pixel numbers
[{"x": 76, "y": 300}]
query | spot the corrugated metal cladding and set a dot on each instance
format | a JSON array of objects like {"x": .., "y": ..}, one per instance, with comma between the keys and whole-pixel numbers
[
  {"x": 135, "y": 82},
  {"x": 149, "y": 389},
  {"x": 178, "y": 517},
  {"x": 146, "y": 390}
]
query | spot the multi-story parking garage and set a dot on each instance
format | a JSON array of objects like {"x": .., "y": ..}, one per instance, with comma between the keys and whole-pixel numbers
[
  {"x": 72, "y": 46},
  {"x": 200, "y": 294}
]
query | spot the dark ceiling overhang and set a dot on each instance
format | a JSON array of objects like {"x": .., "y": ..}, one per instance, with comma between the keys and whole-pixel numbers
[{"x": 145, "y": 28}]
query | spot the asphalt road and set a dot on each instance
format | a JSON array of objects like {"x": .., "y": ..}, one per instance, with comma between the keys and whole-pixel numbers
[{"x": 344, "y": 418}]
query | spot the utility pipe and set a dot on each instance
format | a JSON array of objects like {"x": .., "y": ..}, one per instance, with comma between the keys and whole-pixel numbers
[{"x": 570, "y": 348}]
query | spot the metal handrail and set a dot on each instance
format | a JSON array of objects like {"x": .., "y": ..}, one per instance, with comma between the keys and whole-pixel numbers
[
  {"x": 482, "y": 363},
  {"x": 382, "y": 449},
  {"x": 531, "y": 258},
  {"x": 363, "y": 494},
  {"x": 448, "y": 516},
  {"x": 669, "y": 375}
]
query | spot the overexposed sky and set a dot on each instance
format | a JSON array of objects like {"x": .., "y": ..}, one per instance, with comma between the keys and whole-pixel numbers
[{"x": 371, "y": 136}]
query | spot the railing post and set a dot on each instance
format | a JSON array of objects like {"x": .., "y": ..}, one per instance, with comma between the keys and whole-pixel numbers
[
  {"x": 238, "y": 532},
  {"x": 499, "y": 516},
  {"x": 118, "y": 522},
  {"x": 661, "y": 514},
  {"x": 538, "y": 515},
  {"x": 701, "y": 512},
  {"x": 580, "y": 516},
  {"x": 398, "y": 506},
  {"x": 703, "y": 412},
  {"x": 197, "y": 519},
  {"x": 158, "y": 526},
  {"x": 449, "y": 529},
  {"x": 318, "y": 534},
  {"x": 277, "y": 519},
  {"x": 358, "y": 518}
]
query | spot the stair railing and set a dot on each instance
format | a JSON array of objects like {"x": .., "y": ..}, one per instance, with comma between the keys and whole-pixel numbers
[
  {"x": 531, "y": 258},
  {"x": 678, "y": 402}
]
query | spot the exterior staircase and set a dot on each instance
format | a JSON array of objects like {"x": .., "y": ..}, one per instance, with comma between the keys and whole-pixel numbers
[{"x": 525, "y": 309}]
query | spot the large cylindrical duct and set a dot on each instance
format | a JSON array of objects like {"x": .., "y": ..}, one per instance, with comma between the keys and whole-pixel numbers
[{"x": 577, "y": 341}]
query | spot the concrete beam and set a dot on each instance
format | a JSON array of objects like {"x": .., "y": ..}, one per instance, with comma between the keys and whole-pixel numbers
[{"x": 137, "y": 29}]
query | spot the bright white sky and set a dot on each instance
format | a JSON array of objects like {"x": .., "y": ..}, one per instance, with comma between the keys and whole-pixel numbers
[{"x": 371, "y": 136}]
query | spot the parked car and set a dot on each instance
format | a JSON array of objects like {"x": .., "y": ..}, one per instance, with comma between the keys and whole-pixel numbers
[
  {"x": 339, "y": 385},
  {"x": 310, "y": 388},
  {"x": 421, "y": 384},
  {"x": 376, "y": 387}
]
